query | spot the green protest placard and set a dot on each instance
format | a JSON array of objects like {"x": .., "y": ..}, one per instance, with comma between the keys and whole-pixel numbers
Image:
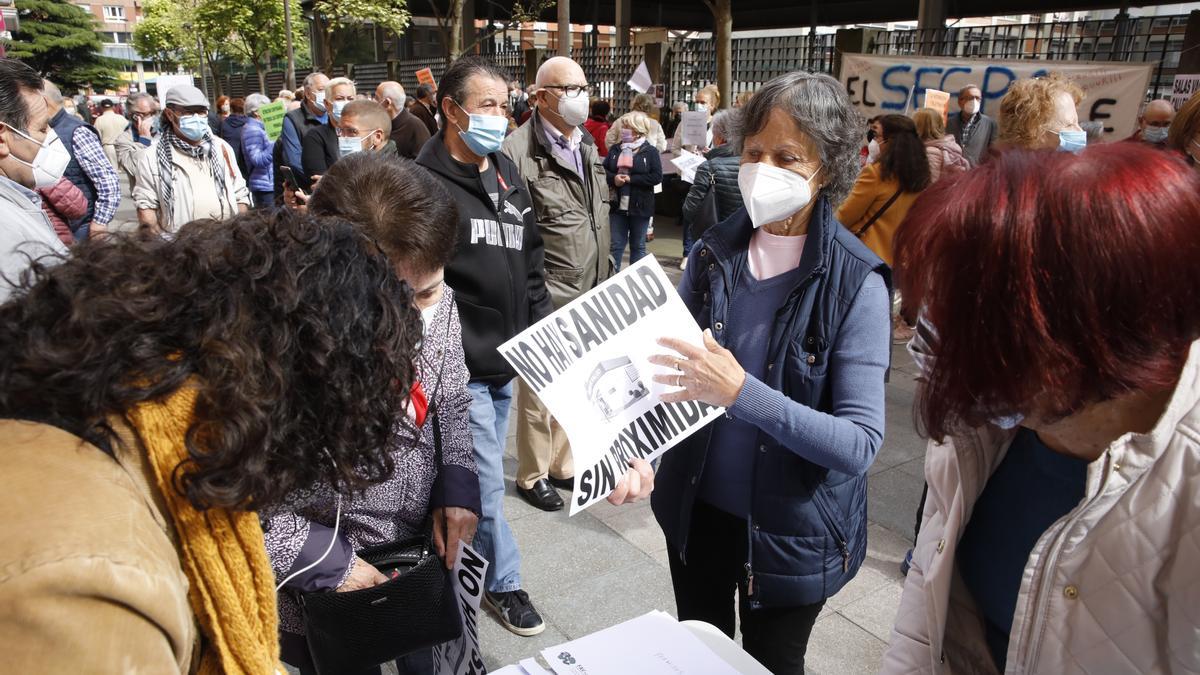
[{"x": 272, "y": 117}]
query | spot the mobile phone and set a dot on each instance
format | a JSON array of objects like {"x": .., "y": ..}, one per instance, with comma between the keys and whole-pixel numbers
[{"x": 289, "y": 178}]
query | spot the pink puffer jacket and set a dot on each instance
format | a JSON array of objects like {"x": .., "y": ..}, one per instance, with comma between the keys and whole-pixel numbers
[
  {"x": 945, "y": 158},
  {"x": 1112, "y": 587},
  {"x": 62, "y": 203}
]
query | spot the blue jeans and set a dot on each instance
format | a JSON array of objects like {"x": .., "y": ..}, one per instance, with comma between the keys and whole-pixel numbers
[
  {"x": 687, "y": 240},
  {"x": 628, "y": 229},
  {"x": 493, "y": 538}
]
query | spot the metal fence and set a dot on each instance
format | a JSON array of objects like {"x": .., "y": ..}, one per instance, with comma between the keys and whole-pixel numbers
[
  {"x": 608, "y": 70},
  {"x": 693, "y": 63},
  {"x": 1148, "y": 39}
]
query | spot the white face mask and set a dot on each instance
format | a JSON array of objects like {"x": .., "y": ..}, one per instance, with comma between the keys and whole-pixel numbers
[
  {"x": 872, "y": 151},
  {"x": 772, "y": 194},
  {"x": 971, "y": 107},
  {"x": 319, "y": 101},
  {"x": 701, "y": 107},
  {"x": 51, "y": 159},
  {"x": 574, "y": 111}
]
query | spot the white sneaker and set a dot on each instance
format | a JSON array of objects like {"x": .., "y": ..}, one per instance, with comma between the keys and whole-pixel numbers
[{"x": 683, "y": 263}]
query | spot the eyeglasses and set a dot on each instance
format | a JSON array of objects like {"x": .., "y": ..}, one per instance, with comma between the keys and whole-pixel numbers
[{"x": 571, "y": 90}]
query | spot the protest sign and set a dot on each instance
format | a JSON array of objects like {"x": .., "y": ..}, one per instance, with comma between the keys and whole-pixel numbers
[
  {"x": 640, "y": 82},
  {"x": 937, "y": 100},
  {"x": 694, "y": 128},
  {"x": 1185, "y": 86},
  {"x": 879, "y": 85},
  {"x": 687, "y": 162},
  {"x": 589, "y": 364},
  {"x": 272, "y": 119},
  {"x": 463, "y": 656},
  {"x": 425, "y": 76}
]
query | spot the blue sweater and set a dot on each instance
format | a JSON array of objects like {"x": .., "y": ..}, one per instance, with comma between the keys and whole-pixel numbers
[{"x": 845, "y": 441}]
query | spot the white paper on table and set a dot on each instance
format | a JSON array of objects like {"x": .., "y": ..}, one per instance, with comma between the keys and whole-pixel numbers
[
  {"x": 463, "y": 656},
  {"x": 640, "y": 81},
  {"x": 509, "y": 670},
  {"x": 687, "y": 162},
  {"x": 589, "y": 364},
  {"x": 652, "y": 644},
  {"x": 694, "y": 125}
]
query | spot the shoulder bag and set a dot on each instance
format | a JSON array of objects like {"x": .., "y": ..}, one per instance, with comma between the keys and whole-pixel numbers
[{"x": 891, "y": 200}]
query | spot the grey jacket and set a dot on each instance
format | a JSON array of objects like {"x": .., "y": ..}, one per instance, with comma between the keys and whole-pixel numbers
[
  {"x": 571, "y": 211},
  {"x": 982, "y": 136},
  {"x": 25, "y": 234}
]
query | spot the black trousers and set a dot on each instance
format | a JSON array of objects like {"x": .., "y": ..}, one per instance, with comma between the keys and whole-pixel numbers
[{"x": 704, "y": 590}]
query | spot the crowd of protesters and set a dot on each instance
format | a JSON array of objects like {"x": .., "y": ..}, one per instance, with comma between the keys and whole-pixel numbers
[{"x": 294, "y": 358}]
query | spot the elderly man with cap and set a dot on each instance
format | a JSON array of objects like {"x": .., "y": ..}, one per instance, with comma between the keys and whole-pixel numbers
[
  {"x": 566, "y": 178},
  {"x": 1154, "y": 123},
  {"x": 187, "y": 172},
  {"x": 408, "y": 132}
]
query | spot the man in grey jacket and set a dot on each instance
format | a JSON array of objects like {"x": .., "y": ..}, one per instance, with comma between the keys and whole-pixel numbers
[
  {"x": 31, "y": 156},
  {"x": 973, "y": 130},
  {"x": 566, "y": 179}
]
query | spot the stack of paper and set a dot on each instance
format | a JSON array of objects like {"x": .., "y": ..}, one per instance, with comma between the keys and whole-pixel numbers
[{"x": 652, "y": 644}]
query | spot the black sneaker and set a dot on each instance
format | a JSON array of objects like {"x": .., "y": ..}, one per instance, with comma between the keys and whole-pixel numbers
[{"x": 516, "y": 612}]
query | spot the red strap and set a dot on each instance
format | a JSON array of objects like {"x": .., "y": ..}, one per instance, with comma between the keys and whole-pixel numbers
[
  {"x": 419, "y": 403},
  {"x": 500, "y": 180}
]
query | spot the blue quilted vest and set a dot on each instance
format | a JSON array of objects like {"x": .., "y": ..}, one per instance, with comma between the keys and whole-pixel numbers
[
  {"x": 808, "y": 524},
  {"x": 65, "y": 125}
]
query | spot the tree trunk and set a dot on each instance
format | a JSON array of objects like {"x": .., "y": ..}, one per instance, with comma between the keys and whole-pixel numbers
[
  {"x": 454, "y": 45},
  {"x": 215, "y": 73},
  {"x": 723, "y": 20},
  {"x": 564, "y": 27},
  {"x": 261, "y": 67},
  {"x": 327, "y": 50}
]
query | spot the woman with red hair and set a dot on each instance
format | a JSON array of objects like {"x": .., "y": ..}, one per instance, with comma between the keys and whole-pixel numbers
[{"x": 1064, "y": 291}]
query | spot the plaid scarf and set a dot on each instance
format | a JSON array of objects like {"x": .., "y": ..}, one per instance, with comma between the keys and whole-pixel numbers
[{"x": 168, "y": 140}]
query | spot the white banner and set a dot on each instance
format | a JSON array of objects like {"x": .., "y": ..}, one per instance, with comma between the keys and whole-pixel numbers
[
  {"x": 463, "y": 656},
  {"x": 589, "y": 364},
  {"x": 1184, "y": 87},
  {"x": 882, "y": 85}
]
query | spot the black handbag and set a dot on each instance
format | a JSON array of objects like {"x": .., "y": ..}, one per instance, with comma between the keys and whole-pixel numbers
[
  {"x": 417, "y": 609},
  {"x": 708, "y": 215}
]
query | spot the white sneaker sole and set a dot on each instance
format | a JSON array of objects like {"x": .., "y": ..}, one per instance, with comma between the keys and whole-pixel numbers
[{"x": 523, "y": 632}]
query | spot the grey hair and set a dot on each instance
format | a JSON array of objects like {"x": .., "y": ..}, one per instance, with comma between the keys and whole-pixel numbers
[
  {"x": 725, "y": 123},
  {"x": 255, "y": 101},
  {"x": 312, "y": 77},
  {"x": 819, "y": 106},
  {"x": 963, "y": 91},
  {"x": 50, "y": 91},
  {"x": 132, "y": 100}
]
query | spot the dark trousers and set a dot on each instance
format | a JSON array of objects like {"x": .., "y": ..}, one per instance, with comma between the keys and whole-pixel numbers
[
  {"x": 294, "y": 652},
  {"x": 704, "y": 588},
  {"x": 264, "y": 200}
]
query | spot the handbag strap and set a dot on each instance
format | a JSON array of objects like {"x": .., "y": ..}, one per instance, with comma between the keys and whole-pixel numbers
[{"x": 891, "y": 200}]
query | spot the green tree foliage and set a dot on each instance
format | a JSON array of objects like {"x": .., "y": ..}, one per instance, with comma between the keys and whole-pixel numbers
[
  {"x": 251, "y": 31},
  {"x": 339, "y": 18},
  {"x": 59, "y": 40}
]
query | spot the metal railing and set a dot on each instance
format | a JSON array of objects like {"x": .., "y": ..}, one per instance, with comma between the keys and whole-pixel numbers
[
  {"x": 693, "y": 63},
  {"x": 1147, "y": 39}
]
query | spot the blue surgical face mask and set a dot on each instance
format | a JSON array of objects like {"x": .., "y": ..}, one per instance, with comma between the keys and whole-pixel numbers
[
  {"x": 1072, "y": 141},
  {"x": 338, "y": 107},
  {"x": 194, "y": 127},
  {"x": 1155, "y": 134},
  {"x": 484, "y": 133}
]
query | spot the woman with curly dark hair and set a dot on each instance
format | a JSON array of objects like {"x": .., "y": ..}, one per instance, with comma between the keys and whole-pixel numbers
[
  {"x": 400, "y": 205},
  {"x": 156, "y": 393}
]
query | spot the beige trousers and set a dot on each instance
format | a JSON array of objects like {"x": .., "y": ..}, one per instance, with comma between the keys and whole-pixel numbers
[{"x": 542, "y": 447}]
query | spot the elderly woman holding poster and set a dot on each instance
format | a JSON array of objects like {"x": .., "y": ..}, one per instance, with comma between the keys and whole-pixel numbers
[{"x": 771, "y": 498}]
